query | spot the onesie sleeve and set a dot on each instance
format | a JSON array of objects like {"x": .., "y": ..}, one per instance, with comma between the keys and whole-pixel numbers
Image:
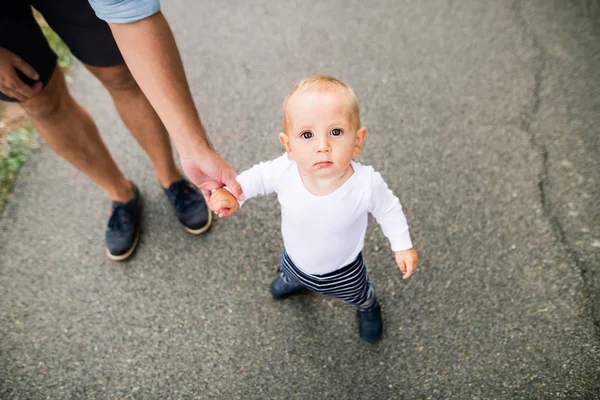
[
  {"x": 262, "y": 178},
  {"x": 124, "y": 11},
  {"x": 386, "y": 209}
]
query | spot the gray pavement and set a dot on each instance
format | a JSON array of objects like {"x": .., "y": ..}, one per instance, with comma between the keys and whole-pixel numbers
[{"x": 483, "y": 117}]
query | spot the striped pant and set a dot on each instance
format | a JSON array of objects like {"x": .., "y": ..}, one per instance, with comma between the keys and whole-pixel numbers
[{"x": 349, "y": 284}]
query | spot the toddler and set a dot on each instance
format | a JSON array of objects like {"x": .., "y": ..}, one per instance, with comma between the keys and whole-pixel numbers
[{"x": 325, "y": 197}]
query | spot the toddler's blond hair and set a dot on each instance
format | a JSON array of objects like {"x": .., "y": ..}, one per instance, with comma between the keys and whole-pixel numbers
[{"x": 323, "y": 83}]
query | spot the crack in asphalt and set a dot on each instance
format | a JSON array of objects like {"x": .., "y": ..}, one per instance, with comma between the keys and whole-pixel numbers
[{"x": 527, "y": 118}]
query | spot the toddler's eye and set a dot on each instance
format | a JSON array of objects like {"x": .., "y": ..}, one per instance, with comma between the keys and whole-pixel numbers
[
  {"x": 336, "y": 132},
  {"x": 306, "y": 135}
]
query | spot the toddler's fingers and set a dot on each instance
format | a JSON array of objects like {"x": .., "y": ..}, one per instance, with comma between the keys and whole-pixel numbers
[
  {"x": 217, "y": 204},
  {"x": 415, "y": 263},
  {"x": 232, "y": 207},
  {"x": 225, "y": 203},
  {"x": 224, "y": 212},
  {"x": 411, "y": 265},
  {"x": 402, "y": 266}
]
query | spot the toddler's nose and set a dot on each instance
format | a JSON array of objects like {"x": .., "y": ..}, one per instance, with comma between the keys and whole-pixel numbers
[{"x": 323, "y": 145}]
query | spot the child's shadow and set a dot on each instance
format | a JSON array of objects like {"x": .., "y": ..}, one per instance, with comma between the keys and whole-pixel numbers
[{"x": 311, "y": 314}]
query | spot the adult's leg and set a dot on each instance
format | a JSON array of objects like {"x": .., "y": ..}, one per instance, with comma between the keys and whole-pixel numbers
[
  {"x": 141, "y": 119},
  {"x": 72, "y": 134},
  {"x": 91, "y": 41},
  {"x": 65, "y": 126},
  {"x": 143, "y": 122}
]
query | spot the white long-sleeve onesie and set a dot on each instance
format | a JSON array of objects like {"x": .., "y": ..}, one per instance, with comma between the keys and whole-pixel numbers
[{"x": 324, "y": 233}]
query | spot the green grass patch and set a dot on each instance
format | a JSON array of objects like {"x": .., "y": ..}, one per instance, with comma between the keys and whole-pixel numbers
[
  {"x": 65, "y": 58},
  {"x": 15, "y": 148}
]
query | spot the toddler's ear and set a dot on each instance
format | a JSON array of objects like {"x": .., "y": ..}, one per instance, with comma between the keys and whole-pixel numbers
[
  {"x": 285, "y": 141},
  {"x": 360, "y": 138}
]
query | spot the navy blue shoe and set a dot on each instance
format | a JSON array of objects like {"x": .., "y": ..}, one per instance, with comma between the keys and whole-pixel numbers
[
  {"x": 190, "y": 207},
  {"x": 281, "y": 290},
  {"x": 370, "y": 325},
  {"x": 123, "y": 228}
]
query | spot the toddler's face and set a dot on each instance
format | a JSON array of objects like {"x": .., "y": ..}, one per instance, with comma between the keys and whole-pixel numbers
[{"x": 321, "y": 134}]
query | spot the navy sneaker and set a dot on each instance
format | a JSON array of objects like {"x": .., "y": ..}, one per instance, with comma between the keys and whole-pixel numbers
[
  {"x": 370, "y": 325},
  {"x": 123, "y": 228},
  {"x": 281, "y": 290},
  {"x": 190, "y": 207}
]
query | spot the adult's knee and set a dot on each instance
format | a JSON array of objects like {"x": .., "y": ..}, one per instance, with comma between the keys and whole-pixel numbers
[
  {"x": 117, "y": 78},
  {"x": 46, "y": 105}
]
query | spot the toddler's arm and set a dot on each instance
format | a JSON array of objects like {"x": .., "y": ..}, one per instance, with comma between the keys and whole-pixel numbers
[
  {"x": 261, "y": 179},
  {"x": 387, "y": 210},
  {"x": 223, "y": 202}
]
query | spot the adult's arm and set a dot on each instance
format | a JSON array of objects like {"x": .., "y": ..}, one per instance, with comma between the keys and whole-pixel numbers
[{"x": 149, "y": 49}]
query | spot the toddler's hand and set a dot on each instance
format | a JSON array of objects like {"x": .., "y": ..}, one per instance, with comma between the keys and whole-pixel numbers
[
  {"x": 407, "y": 261},
  {"x": 223, "y": 202}
]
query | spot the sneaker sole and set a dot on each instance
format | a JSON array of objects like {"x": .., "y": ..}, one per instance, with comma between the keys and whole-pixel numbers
[
  {"x": 133, "y": 246},
  {"x": 126, "y": 255},
  {"x": 203, "y": 229}
]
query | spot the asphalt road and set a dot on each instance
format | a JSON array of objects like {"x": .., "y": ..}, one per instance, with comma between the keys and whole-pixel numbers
[{"x": 483, "y": 118}]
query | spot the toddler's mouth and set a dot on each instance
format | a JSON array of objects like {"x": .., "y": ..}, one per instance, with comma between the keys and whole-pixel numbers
[{"x": 323, "y": 164}]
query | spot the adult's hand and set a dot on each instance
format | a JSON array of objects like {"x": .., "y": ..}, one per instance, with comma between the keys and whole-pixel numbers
[
  {"x": 209, "y": 171},
  {"x": 10, "y": 83}
]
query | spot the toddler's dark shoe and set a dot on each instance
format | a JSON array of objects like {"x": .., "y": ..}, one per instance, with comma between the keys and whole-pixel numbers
[
  {"x": 370, "y": 325},
  {"x": 123, "y": 228},
  {"x": 189, "y": 206},
  {"x": 281, "y": 290}
]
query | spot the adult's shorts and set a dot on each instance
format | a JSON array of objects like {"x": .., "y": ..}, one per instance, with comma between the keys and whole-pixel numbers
[{"x": 88, "y": 38}]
